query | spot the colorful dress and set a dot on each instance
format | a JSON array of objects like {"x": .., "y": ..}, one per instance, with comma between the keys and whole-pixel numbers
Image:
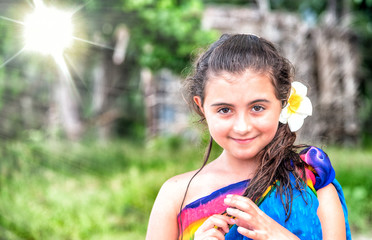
[{"x": 303, "y": 222}]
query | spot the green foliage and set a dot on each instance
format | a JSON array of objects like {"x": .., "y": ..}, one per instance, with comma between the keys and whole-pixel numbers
[
  {"x": 52, "y": 190},
  {"x": 164, "y": 33}
]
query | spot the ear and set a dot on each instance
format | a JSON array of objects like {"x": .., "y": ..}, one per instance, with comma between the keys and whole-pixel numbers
[{"x": 198, "y": 102}]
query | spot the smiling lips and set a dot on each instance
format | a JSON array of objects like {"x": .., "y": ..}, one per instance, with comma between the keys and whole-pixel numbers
[{"x": 243, "y": 140}]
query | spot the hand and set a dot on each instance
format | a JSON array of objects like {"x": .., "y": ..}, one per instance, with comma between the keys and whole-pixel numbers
[
  {"x": 252, "y": 222},
  {"x": 214, "y": 228}
]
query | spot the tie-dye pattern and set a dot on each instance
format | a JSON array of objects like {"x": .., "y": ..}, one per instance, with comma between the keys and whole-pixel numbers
[
  {"x": 320, "y": 165},
  {"x": 319, "y": 174},
  {"x": 195, "y": 213}
]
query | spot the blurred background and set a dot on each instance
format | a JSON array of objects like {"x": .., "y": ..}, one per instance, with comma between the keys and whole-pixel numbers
[{"x": 92, "y": 120}]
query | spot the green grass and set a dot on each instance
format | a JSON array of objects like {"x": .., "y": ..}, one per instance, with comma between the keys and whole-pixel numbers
[
  {"x": 84, "y": 191},
  {"x": 54, "y": 190}
]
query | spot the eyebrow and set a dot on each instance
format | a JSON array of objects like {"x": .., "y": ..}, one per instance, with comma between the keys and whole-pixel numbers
[
  {"x": 231, "y": 105},
  {"x": 259, "y": 100},
  {"x": 221, "y": 104}
]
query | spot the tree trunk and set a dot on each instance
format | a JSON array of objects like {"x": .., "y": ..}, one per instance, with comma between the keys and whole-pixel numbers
[
  {"x": 66, "y": 99},
  {"x": 106, "y": 74},
  {"x": 149, "y": 93}
]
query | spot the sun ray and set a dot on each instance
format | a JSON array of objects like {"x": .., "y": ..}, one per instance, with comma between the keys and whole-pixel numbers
[
  {"x": 12, "y": 20},
  {"x": 65, "y": 72},
  {"x": 14, "y": 56},
  {"x": 74, "y": 70},
  {"x": 93, "y": 43},
  {"x": 80, "y": 7}
]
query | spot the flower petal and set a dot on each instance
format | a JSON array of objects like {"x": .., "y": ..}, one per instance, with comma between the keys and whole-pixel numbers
[
  {"x": 283, "y": 119},
  {"x": 298, "y": 107},
  {"x": 300, "y": 88},
  {"x": 306, "y": 107},
  {"x": 284, "y": 115},
  {"x": 296, "y": 121}
]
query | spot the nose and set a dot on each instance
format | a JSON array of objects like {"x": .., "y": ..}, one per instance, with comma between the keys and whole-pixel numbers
[{"x": 242, "y": 124}]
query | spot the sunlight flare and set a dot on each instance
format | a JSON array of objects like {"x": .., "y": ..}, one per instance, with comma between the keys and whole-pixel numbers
[{"x": 48, "y": 30}]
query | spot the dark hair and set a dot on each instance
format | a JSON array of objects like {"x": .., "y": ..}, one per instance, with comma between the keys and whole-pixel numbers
[{"x": 235, "y": 54}]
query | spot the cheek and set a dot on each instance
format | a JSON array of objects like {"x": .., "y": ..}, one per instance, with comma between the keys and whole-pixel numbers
[
  {"x": 217, "y": 126},
  {"x": 269, "y": 124}
]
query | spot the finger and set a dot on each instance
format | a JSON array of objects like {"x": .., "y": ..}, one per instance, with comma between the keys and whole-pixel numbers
[
  {"x": 224, "y": 225},
  {"x": 217, "y": 221},
  {"x": 242, "y": 203},
  {"x": 241, "y": 218},
  {"x": 244, "y": 219},
  {"x": 216, "y": 234},
  {"x": 247, "y": 233},
  {"x": 210, "y": 234},
  {"x": 239, "y": 198}
]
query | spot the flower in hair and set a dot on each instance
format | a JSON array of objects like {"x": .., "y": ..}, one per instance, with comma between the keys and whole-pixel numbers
[{"x": 298, "y": 107}]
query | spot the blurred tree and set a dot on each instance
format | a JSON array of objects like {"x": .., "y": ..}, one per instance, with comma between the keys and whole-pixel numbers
[
  {"x": 362, "y": 24},
  {"x": 358, "y": 15},
  {"x": 165, "y": 32},
  {"x": 159, "y": 34},
  {"x": 162, "y": 33}
]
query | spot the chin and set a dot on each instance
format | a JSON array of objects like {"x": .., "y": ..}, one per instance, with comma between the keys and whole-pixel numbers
[{"x": 245, "y": 156}]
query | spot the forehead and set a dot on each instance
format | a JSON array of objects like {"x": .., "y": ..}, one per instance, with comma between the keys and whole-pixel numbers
[{"x": 248, "y": 83}]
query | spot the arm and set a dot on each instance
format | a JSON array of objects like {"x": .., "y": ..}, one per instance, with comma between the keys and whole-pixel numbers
[
  {"x": 330, "y": 213},
  {"x": 163, "y": 218}
]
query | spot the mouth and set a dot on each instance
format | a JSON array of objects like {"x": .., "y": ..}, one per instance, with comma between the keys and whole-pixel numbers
[{"x": 243, "y": 140}]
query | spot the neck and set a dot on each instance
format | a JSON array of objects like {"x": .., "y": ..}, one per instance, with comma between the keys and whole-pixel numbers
[{"x": 244, "y": 168}]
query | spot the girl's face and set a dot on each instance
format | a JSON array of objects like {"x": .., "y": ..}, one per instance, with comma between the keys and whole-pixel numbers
[{"x": 242, "y": 112}]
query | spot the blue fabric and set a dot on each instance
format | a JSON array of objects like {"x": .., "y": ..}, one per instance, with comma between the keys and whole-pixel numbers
[
  {"x": 319, "y": 160},
  {"x": 303, "y": 222}
]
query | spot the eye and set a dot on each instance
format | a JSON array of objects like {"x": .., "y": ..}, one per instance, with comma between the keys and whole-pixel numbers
[
  {"x": 224, "y": 110},
  {"x": 257, "y": 108}
]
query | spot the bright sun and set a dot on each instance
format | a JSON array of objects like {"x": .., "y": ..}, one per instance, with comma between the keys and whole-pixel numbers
[{"x": 48, "y": 30}]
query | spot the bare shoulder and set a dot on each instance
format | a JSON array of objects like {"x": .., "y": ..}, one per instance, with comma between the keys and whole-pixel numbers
[
  {"x": 172, "y": 191},
  {"x": 176, "y": 186},
  {"x": 163, "y": 218},
  {"x": 330, "y": 213},
  {"x": 180, "y": 179}
]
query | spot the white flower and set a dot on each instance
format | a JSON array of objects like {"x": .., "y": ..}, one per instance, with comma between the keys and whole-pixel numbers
[{"x": 297, "y": 108}]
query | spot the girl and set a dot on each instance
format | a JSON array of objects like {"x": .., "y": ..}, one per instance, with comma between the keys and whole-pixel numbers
[{"x": 260, "y": 187}]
